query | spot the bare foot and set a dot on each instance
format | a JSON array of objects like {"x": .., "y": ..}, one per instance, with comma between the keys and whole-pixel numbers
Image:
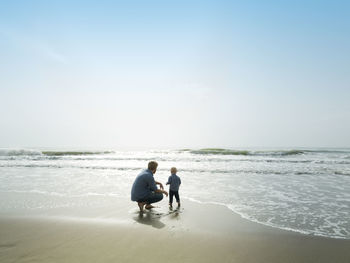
[
  {"x": 149, "y": 206},
  {"x": 141, "y": 205}
]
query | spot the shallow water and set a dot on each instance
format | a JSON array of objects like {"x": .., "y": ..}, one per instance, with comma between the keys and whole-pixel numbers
[{"x": 304, "y": 190}]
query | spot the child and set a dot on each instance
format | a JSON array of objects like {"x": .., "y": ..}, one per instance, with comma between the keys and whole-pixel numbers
[{"x": 174, "y": 182}]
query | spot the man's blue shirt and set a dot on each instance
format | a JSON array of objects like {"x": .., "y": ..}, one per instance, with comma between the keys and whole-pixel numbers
[{"x": 143, "y": 185}]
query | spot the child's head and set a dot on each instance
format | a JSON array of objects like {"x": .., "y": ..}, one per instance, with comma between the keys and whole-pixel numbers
[{"x": 173, "y": 170}]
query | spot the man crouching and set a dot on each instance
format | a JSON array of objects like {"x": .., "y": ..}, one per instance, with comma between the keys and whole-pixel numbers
[{"x": 144, "y": 189}]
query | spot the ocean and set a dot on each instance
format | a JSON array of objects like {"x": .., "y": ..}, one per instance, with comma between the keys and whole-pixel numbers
[{"x": 302, "y": 190}]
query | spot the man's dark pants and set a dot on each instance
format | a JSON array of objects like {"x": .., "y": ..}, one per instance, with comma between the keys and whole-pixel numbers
[{"x": 152, "y": 198}]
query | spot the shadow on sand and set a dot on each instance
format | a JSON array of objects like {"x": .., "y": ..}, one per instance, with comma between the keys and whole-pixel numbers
[
  {"x": 174, "y": 213},
  {"x": 150, "y": 218}
]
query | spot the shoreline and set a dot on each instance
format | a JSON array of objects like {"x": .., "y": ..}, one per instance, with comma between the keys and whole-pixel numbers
[
  {"x": 123, "y": 208},
  {"x": 195, "y": 233}
]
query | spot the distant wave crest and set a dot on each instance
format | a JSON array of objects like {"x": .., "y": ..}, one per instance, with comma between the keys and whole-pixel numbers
[
  {"x": 59, "y": 153},
  {"x": 19, "y": 152},
  {"x": 219, "y": 151},
  {"x": 31, "y": 152}
]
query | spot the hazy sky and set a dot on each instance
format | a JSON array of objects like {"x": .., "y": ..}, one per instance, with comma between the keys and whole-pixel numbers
[{"x": 174, "y": 74}]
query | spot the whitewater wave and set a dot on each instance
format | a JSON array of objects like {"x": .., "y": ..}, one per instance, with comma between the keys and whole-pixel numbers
[
  {"x": 191, "y": 171},
  {"x": 338, "y": 234},
  {"x": 57, "y": 166}
]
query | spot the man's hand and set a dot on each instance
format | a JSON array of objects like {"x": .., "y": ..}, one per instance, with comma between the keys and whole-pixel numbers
[
  {"x": 166, "y": 193},
  {"x": 160, "y": 185}
]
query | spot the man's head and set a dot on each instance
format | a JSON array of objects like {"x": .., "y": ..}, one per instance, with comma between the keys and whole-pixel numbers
[
  {"x": 152, "y": 166},
  {"x": 173, "y": 170}
]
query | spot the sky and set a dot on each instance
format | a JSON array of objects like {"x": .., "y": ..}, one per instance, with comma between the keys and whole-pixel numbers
[{"x": 174, "y": 74}]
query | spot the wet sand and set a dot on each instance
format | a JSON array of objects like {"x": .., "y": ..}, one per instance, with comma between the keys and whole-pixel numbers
[{"x": 195, "y": 233}]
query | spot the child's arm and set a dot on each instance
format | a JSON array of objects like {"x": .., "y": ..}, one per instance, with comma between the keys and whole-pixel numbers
[{"x": 169, "y": 180}]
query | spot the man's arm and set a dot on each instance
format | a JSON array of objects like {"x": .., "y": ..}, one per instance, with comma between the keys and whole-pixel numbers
[
  {"x": 161, "y": 191},
  {"x": 160, "y": 185}
]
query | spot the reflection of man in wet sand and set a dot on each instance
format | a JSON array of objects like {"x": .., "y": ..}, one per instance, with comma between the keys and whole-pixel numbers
[{"x": 144, "y": 190}]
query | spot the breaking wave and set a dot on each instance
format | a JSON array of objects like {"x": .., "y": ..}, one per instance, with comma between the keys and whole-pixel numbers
[
  {"x": 19, "y": 152},
  {"x": 58, "y": 153},
  {"x": 32, "y": 152},
  {"x": 219, "y": 151}
]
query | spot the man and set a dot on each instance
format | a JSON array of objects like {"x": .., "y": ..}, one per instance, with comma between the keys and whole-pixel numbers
[{"x": 144, "y": 190}]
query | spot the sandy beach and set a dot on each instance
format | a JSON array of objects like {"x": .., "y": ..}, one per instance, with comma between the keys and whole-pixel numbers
[{"x": 195, "y": 233}]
